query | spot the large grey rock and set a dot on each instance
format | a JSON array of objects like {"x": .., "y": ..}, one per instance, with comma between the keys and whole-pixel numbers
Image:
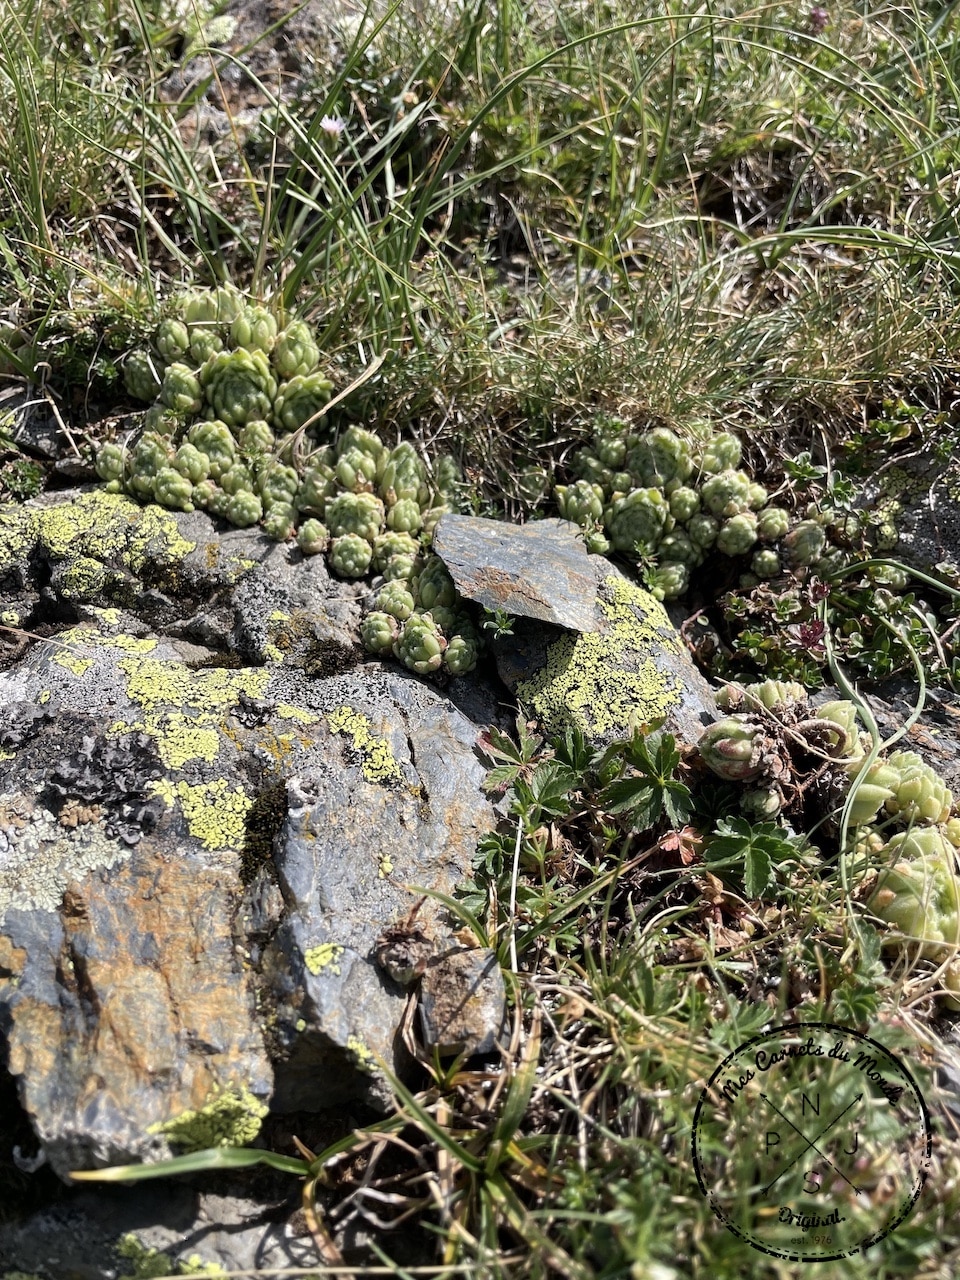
[
  {"x": 123, "y": 996},
  {"x": 540, "y": 570},
  {"x": 150, "y": 964}
]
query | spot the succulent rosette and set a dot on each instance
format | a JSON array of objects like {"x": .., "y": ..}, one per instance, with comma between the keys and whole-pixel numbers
[
  {"x": 350, "y": 555},
  {"x": 637, "y": 519},
  {"x": 239, "y": 386},
  {"x": 379, "y": 632},
  {"x": 731, "y": 748},
  {"x": 295, "y": 352},
  {"x": 312, "y": 537},
  {"x": 355, "y": 513},
  {"x": 658, "y": 458},
  {"x": 421, "y": 644},
  {"x": 172, "y": 339},
  {"x": 580, "y": 502},
  {"x": 254, "y": 329},
  {"x": 215, "y": 439},
  {"x": 300, "y": 399},
  {"x": 143, "y": 375}
]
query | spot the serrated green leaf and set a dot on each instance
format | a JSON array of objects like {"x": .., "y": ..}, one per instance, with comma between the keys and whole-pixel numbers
[{"x": 757, "y": 871}]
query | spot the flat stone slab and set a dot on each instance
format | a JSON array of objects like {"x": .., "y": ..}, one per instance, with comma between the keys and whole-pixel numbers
[{"x": 540, "y": 570}]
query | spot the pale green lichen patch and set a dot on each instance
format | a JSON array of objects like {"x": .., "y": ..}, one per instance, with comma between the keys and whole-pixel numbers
[
  {"x": 362, "y": 1056},
  {"x": 18, "y": 535},
  {"x": 324, "y": 956},
  {"x": 84, "y": 577},
  {"x": 606, "y": 682},
  {"x": 151, "y": 1264},
  {"x": 154, "y": 683},
  {"x": 110, "y": 528},
  {"x": 286, "y": 711},
  {"x": 194, "y": 731},
  {"x": 39, "y": 857},
  {"x": 377, "y": 761},
  {"x": 232, "y": 1118},
  {"x": 87, "y": 634},
  {"x": 73, "y": 663},
  {"x": 215, "y": 812},
  {"x": 181, "y": 739}
]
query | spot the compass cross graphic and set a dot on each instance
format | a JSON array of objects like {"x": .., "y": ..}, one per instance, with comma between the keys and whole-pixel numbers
[{"x": 812, "y": 1142}]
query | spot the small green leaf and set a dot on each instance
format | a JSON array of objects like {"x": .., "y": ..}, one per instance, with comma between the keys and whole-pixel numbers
[{"x": 757, "y": 871}]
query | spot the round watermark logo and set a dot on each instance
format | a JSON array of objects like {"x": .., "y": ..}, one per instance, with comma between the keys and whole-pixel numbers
[{"x": 811, "y": 1142}]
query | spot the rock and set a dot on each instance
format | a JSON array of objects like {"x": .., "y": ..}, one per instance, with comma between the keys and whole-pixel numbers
[
  {"x": 540, "y": 570},
  {"x": 123, "y": 995},
  {"x": 162, "y": 978},
  {"x": 914, "y": 511},
  {"x": 102, "y": 1234},
  {"x": 632, "y": 669},
  {"x": 388, "y": 807},
  {"x": 463, "y": 1002}
]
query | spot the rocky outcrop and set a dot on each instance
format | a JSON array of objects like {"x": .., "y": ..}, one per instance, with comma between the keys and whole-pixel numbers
[
  {"x": 226, "y": 838},
  {"x": 632, "y": 670},
  {"x": 196, "y": 860},
  {"x": 540, "y": 570}
]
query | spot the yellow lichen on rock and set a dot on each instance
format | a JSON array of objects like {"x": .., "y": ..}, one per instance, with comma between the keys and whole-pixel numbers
[
  {"x": 606, "y": 682},
  {"x": 83, "y": 578},
  {"x": 326, "y": 955},
  {"x": 194, "y": 731},
  {"x": 18, "y": 534},
  {"x": 362, "y": 1056},
  {"x": 72, "y": 662},
  {"x": 232, "y": 1118},
  {"x": 377, "y": 761},
  {"x": 87, "y": 634},
  {"x": 155, "y": 682},
  {"x": 215, "y": 812},
  {"x": 286, "y": 711},
  {"x": 108, "y": 527}
]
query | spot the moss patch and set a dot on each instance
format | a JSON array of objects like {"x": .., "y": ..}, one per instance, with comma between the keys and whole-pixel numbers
[{"x": 263, "y": 821}]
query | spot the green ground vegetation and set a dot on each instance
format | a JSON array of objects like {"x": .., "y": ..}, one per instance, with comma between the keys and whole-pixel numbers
[{"x": 501, "y": 221}]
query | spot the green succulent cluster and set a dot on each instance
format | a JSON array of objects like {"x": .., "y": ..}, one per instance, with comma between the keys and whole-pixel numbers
[
  {"x": 229, "y": 386},
  {"x": 218, "y": 355},
  {"x": 658, "y": 497},
  {"x": 899, "y": 809},
  {"x": 370, "y": 509},
  {"x": 419, "y": 618},
  {"x": 223, "y": 378}
]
